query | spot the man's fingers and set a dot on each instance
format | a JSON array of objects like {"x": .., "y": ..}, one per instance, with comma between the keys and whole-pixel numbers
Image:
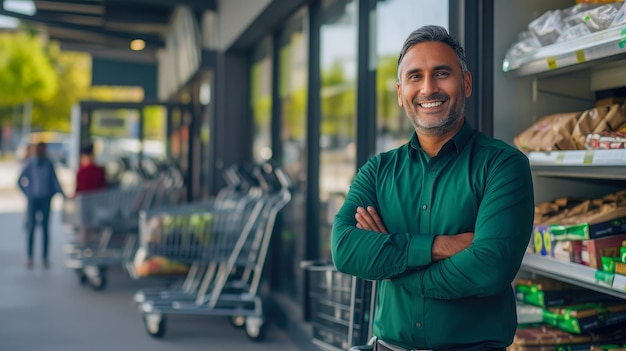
[
  {"x": 365, "y": 219},
  {"x": 368, "y": 219},
  {"x": 376, "y": 218}
]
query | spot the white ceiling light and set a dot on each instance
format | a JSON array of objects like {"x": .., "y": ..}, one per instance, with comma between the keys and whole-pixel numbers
[
  {"x": 24, "y": 7},
  {"x": 9, "y": 22}
]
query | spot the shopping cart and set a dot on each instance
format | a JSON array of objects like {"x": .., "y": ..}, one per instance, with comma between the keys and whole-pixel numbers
[
  {"x": 111, "y": 215},
  {"x": 235, "y": 257},
  {"x": 240, "y": 191},
  {"x": 339, "y": 306}
]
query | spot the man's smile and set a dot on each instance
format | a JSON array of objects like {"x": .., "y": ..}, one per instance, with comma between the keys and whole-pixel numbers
[{"x": 430, "y": 104}]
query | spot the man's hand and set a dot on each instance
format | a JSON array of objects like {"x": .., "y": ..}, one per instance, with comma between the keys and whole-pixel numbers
[
  {"x": 445, "y": 246},
  {"x": 369, "y": 219}
]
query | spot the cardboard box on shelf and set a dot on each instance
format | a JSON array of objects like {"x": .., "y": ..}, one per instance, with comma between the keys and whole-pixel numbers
[
  {"x": 552, "y": 293},
  {"x": 585, "y": 317},
  {"x": 593, "y": 250},
  {"x": 587, "y": 231},
  {"x": 545, "y": 336},
  {"x": 543, "y": 244},
  {"x": 542, "y": 240}
]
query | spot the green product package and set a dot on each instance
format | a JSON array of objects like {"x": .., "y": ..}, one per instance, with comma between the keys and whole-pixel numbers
[
  {"x": 570, "y": 232},
  {"x": 608, "y": 263},
  {"x": 567, "y": 320},
  {"x": 567, "y": 324},
  {"x": 530, "y": 295},
  {"x": 604, "y": 278}
]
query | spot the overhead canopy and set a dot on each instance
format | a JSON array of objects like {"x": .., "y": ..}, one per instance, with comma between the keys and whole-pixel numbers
[{"x": 105, "y": 28}]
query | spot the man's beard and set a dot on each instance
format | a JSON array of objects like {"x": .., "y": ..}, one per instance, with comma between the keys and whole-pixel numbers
[{"x": 446, "y": 125}]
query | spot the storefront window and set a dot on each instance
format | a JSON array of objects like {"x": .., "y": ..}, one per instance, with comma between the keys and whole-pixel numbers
[
  {"x": 261, "y": 101},
  {"x": 293, "y": 80},
  {"x": 395, "y": 20},
  {"x": 338, "y": 111},
  {"x": 115, "y": 133}
]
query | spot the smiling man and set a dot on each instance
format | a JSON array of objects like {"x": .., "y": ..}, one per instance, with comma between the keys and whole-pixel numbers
[{"x": 442, "y": 222}]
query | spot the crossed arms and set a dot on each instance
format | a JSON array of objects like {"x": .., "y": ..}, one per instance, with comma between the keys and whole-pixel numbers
[
  {"x": 439, "y": 265},
  {"x": 443, "y": 246}
]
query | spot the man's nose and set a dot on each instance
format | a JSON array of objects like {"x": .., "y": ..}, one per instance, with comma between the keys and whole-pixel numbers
[{"x": 429, "y": 86}]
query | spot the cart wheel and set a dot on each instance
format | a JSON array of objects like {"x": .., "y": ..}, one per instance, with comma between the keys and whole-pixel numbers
[
  {"x": 155, "y": 324},
  {"x": 82, "y": 278},
  {"x": 238, "y": 321},
  {"x": 96, "y": 277},
  {"x": 256, "y": 328}
]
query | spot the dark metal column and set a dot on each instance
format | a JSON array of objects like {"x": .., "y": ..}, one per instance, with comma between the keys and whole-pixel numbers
[
  {"x": 366, "y": 84},
  {"x": 471, "y": 21},
  {"x": 231, "y": 132},
  {"x": 313, "y": 135}
]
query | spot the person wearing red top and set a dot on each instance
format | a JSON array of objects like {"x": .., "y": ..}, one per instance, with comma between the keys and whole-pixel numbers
[{"x": 90, "y": 176}]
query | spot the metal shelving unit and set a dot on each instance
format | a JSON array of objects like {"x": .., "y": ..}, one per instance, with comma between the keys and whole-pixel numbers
[
  {"x": 575, "y": 274},
  {"x": 592, "y": 164},
  {"x": 602, "y": 46}
]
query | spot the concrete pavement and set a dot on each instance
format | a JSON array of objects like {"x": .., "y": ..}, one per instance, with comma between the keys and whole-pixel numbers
[{"x": 47, "y": 310}]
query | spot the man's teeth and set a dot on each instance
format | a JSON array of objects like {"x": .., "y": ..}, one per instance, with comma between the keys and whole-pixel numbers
[{"x": 431, "y": 104}]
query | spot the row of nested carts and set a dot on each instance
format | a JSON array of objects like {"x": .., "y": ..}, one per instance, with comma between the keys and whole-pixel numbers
[{"x": 215, "y": 250}]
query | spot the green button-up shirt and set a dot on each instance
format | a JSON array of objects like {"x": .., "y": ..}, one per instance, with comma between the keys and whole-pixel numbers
[{"x": 474, "y": 184}]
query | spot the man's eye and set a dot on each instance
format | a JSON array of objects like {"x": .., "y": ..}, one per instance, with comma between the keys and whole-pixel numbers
[{"x": 442, "y": 74}]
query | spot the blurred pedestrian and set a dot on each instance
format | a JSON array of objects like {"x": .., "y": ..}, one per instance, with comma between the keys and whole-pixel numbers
[
  {"x": 39, "y": 183},
  {"x": 90, "y": 176}
]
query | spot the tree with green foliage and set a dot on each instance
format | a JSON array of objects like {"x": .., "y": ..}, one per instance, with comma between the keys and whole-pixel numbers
[
  {"x": 73, "y": 71},
  {"x": 26, "y": 72},
  {"x": 39, "y": 73}
]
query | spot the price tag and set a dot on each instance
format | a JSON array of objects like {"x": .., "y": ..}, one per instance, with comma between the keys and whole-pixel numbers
[
  {"x": 580, "y": 56},
  {"x": 609, "y": 157},
  {"x": 573, "y": 158},
  {"x": 559, "y": 158},
  {"x": 551, "y": 63},
  {"x": 623, "y": 39},
  {"x": 588, "y": 158}
]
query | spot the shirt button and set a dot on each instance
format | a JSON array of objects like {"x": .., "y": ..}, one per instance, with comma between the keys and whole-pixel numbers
[
  {"x": 418, "y": 324},
  {"x": 425, "y": 207}
]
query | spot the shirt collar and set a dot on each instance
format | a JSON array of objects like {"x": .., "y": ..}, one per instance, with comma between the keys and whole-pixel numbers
[{"x": 458, "y": 141}]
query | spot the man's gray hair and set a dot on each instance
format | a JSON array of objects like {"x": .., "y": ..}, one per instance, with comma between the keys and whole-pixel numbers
[{"x": 433, "y": 34}]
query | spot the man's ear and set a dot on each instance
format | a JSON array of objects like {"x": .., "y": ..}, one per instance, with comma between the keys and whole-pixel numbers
[
  {"x": 467, "y": 81},
  {"x": 399, "y": 91}
]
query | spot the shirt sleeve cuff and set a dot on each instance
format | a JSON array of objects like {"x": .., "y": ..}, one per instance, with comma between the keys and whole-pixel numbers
[{"x": 420, "y": 250}]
